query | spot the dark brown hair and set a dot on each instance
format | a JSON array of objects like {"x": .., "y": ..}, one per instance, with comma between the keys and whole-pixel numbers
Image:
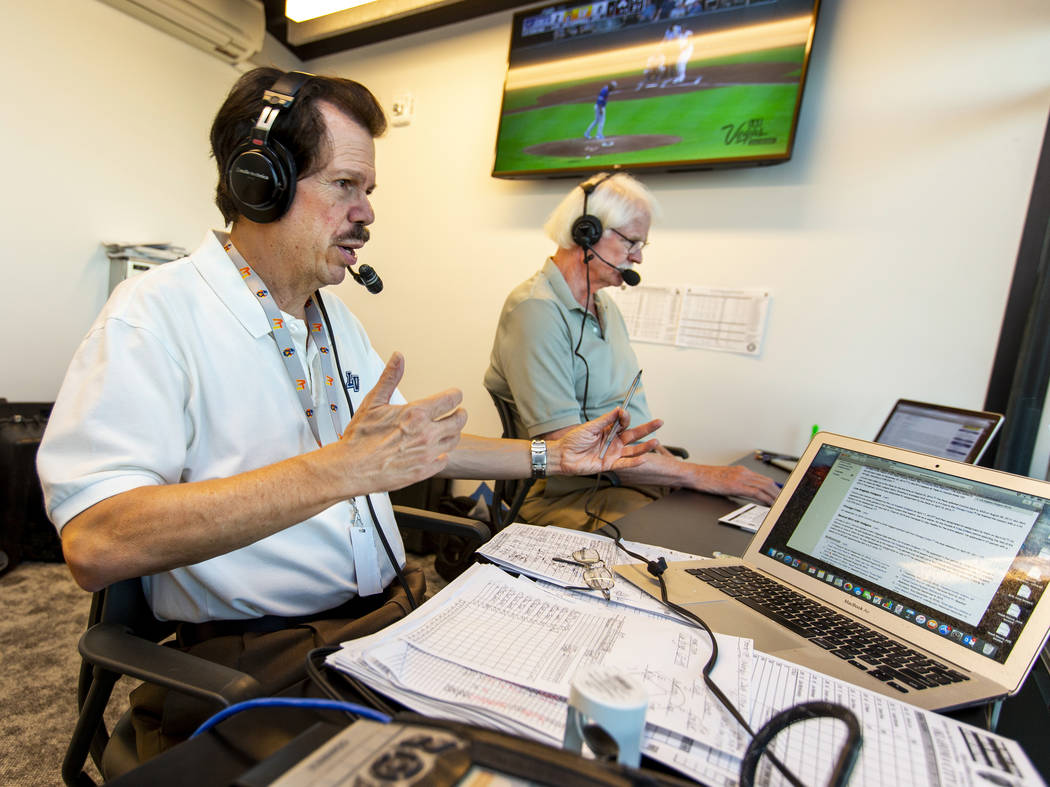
[{"x": 301, "y": 129}]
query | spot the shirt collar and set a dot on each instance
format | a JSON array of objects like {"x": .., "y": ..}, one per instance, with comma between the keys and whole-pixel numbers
[
  {"x": 561, "y": 290},
  {"x": 218, "y": 270}
]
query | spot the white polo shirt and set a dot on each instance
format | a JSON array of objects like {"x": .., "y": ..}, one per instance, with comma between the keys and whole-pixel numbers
[{"x": 179, "y": 380}]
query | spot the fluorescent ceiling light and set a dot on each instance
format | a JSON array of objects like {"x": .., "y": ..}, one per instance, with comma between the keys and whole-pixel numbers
[
  {"x": 345, "y": 19},
  {"x": 301, "y": 10}
]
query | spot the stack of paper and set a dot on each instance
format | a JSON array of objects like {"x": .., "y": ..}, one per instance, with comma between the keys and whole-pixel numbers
[
  {"x": 499, "y": 651},
  {"x": 530, "y": 550}
]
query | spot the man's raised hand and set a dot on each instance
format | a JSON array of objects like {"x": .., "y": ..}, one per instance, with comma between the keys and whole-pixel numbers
[{"x": 389, "y": 446}]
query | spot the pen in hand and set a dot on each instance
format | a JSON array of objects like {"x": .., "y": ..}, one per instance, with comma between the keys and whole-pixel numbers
[{"x": 615, "y": 428}]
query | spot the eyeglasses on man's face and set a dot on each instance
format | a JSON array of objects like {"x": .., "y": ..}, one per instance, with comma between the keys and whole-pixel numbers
[
  {"x": 595, "y": 574},
  {"x": 634, "y": 245}
]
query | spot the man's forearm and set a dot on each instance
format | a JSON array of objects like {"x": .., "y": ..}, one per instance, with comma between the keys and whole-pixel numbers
[
  {"x": 488, "y": 457},
  {"x": 661, "y": 469},
  {"x": 666, "y": 470},
  {"x": 157, "y": 528}
]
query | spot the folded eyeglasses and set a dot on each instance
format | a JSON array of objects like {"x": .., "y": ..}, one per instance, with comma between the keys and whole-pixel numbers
[{"x": 595, "y": 573}]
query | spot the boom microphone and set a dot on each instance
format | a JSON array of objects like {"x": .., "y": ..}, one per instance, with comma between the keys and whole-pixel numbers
[
  {"x": 369, "y": 279},
  {"x": 630, "y": 276}
]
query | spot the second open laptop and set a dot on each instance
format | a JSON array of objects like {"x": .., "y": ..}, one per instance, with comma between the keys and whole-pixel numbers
[
  {"x": 949, "y": 432},
  {"x": 918, "y": 577},
  {"x": 937, "y": 429}
]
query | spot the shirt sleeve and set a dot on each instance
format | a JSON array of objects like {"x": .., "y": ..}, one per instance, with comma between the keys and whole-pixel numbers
[
  {"x": 118, "y": 422},
  {"x": 535, "y": 345}
]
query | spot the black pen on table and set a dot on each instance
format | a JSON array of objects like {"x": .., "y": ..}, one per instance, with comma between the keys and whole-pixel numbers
[{"x": 615, "y": 428}]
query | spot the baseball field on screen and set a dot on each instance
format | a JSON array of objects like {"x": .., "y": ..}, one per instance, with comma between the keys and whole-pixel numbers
[{"x": 725, "y": 109}]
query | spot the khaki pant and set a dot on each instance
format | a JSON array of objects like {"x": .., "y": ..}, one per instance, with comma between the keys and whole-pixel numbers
[
  {"x": 275, "y": 658},
  {"x": 569, "y": 502}
]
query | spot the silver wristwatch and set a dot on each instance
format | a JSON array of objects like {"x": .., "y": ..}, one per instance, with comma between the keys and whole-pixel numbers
[{"x": 539, "y": 458}]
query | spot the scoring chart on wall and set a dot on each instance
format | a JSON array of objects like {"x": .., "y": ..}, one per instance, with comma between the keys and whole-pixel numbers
[{"x": 700, "y": 317}]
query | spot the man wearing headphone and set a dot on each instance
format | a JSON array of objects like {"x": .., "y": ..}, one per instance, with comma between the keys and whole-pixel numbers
[
  {"x": 228, "y": 433},
  {"x": 562, "y": 354}
]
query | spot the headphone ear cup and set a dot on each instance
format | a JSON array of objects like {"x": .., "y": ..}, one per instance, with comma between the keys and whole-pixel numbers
[
  {"x": 587, "y": 230},
  {"x": 261, "y": 180}
]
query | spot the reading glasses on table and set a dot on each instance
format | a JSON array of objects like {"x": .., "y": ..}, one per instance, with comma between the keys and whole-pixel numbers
[{"x": 595, "y": 573}]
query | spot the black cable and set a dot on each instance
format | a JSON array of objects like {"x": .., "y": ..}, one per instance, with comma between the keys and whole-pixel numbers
[
  {"x": 412, "y": 602},
  {"x": 583, "y": 327},
  {"x": 851, "y": 749},
  {"x": 805, "y": 711},
  {"x": 314, "y": 673}
]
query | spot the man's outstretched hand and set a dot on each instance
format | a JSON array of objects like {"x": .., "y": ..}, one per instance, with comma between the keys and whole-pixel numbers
[
  {"x": 581, "y": 445},
  {"x": 390, "y": 446}
]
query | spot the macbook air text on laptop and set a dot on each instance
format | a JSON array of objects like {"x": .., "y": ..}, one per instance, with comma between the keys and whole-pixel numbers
[{"x": 918, "y": 577}]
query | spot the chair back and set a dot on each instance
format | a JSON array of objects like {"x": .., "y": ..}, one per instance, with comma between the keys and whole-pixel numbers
[{"x": 510, "y": 492}]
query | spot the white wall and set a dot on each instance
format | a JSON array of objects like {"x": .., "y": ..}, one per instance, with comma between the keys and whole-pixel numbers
[
  {"x": 104, "y": 124},
  {"x": 888, "y": 242}
]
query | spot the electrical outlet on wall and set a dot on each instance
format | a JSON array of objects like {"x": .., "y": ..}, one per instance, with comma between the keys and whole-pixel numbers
[{"x": 401, "y": 109}]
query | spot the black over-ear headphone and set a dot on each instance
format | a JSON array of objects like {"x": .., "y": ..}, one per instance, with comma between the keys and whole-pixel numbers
[
  {"x": 261, "y": 174},
  {"x": 587, "y": 229}
]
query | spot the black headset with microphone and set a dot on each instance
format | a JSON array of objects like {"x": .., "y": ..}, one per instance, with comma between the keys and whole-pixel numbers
[
  {"x": 261, "y": 173},
  {"x": 588, "y": 229}
]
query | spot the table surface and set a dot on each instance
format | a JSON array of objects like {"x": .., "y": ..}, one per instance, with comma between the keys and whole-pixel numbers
[{"x": 688, "y": 521}]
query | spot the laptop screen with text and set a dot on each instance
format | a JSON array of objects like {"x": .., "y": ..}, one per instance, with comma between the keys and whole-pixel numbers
[
  {"x": 964, "y": 559},
  {"x": 948, "y": 432}
]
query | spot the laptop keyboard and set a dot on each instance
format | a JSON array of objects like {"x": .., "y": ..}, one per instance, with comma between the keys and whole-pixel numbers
[{"x": 866, "y": 649}]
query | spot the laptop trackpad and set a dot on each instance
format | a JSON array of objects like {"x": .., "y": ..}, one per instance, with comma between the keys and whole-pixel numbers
[{"x": 727, "y": 617}]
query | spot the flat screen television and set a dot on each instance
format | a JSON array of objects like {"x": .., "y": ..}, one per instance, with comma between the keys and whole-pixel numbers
[{"x": 653, "y": 85}]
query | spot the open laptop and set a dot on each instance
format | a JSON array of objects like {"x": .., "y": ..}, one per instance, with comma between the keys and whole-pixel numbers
[
  {"x": 872, "y": 551},
  {"x": 947, "y": 432}
]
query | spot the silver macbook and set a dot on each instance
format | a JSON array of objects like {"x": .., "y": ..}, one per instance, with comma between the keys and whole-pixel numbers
[
  {"x": 948, "y": 432},
  {"x": 918, "y": 577}
]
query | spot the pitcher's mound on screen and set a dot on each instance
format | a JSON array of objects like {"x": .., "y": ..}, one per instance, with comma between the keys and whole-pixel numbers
[{"x": 587, "y": 148}]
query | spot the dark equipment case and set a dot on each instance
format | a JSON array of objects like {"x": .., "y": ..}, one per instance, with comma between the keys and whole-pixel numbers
[{"x": 25, "y": 531}]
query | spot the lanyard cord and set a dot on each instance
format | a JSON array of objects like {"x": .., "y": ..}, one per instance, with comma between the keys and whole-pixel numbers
[
  {"x": 412, "y": 601},
  {"x": 282, "y": 339},
  {"x": 319, "y": 326}
]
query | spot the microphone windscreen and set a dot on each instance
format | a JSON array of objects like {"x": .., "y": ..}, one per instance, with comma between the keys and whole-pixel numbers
[
  {"x": 630, "y": 277},
  {"x": 370, "y": 279}
]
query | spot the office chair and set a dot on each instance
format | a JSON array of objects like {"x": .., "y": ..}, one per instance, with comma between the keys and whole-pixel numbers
[
  {"x": 123, "y": 637},
  {"x": 509, "y": 492}
]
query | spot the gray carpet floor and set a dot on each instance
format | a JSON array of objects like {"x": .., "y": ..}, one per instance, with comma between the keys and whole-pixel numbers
[{"x": 44, "y": 613}]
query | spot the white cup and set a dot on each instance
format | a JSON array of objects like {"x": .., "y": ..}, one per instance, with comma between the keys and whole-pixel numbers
[{"x": 615, "y": 702}]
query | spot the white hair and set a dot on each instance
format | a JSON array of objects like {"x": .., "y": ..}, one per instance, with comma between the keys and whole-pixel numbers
[{"x": 617, "y": 199}]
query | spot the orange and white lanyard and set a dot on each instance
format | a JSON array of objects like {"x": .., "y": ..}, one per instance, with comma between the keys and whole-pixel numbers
[{"x": 362, "y": 541}]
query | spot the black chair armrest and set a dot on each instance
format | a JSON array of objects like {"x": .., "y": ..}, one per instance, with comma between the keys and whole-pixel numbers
[
  {"x": 436, "y": 522},
  {"x": 113, "y": 647}
]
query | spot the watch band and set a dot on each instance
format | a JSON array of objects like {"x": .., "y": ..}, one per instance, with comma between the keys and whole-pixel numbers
[{"x": 539, "y": 458}]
